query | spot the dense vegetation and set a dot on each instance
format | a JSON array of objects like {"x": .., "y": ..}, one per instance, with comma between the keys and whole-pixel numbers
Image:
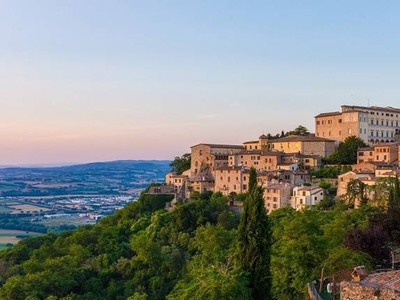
[
  {"x": 145, "y": 252},
  {"x": 181, "y": 163},
  {"x": 346, "y": 152},
  {"x": 20, "y": 222}
]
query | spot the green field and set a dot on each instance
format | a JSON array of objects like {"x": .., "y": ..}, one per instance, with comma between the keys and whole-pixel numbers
[{"x": 8, "y": 237}]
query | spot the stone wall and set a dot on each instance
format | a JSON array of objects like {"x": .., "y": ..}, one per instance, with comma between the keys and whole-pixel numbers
[{"x": 357, "y": 291}]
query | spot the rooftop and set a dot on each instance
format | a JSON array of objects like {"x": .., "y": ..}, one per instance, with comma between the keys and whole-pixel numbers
[
  {"x": 375, "y": 108},
  {"x": 390, "y": 280},
  {"x": 301, "y": 138},
  {"x": 219, "y": 146}
]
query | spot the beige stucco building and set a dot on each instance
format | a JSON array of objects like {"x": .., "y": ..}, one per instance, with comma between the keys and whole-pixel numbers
[
  {"x": 385, "y": 153},
  {"x": 206, "y": 157},
  {"x": 259, "y": 159},
  {"x": 231, "y": 179},
  {"x": 307, "y": 145},
  {"x": 225, "y": 168},
  {"x": 277, "y": 195},
  {"x": 372, "y": 124},
  {"x": 306, "y": 196},
  {"x": 260, "y": 144}
]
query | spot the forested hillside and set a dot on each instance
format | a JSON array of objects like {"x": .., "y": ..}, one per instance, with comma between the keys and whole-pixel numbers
[{"x": 145, "y": 252}]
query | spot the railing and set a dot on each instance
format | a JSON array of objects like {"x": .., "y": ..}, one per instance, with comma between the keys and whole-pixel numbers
[{"x": 312, "y": 292}]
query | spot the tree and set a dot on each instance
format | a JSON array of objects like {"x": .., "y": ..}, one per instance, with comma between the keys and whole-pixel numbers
[
  {"x": 356, "y": 192},
  {"x": 373, "y": 240},
  {"x": 181, "y": 164},
  {"x": 346, "y": 153},
  {"x": 254, "y": 241},
  {"x": 300, "y": 130}
]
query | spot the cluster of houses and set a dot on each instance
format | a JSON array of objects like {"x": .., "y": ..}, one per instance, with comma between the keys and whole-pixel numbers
[{"x": 283, "y": 164}]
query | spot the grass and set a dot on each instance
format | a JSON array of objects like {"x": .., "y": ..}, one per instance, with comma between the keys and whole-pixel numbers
[
  {"x": 27, "y": 208},
  {"x": 10, "y": 236}
]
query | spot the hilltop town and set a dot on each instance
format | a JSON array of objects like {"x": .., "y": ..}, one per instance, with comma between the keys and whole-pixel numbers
[{"x": 284, "y": 164}]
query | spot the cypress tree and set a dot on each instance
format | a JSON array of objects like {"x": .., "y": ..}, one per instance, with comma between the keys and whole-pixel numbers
[{"x": 254, "y": 241}]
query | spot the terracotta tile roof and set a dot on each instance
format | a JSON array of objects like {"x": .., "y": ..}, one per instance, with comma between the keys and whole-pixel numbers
[
  {"x": 376, "y": 108},
  {"x": 327, "y": 114},
  {"x": 390, "y": 279},
  {"x": 260, "y": 152},
  {"x": 220, "y": 146},
  {"x": 301, "y": 138}
]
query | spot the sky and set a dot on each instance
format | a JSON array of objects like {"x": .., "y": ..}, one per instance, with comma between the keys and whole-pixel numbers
[{"x": 84, "y": 81}]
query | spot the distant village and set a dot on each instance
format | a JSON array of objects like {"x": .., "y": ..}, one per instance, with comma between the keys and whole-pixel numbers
[{"x": 283, "y": 164}]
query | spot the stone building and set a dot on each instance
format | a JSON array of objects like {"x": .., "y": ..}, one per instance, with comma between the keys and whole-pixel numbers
[
  {"x": 382, "y": 286},
  {"x": 306, "y": 145},
  {"x": 206, "y": 157},
  {"x": 230, "y": 179},
  {"x": 260, "y": 144},
  {"x": 277, "y": 195},
  {"x": 259, "y": 159},
  {"x": 372, "y": 124},
  {"x": 385, "y": 153}
]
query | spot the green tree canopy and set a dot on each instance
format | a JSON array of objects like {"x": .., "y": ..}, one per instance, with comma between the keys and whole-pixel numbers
[
  {"x": 346, "y": 153},
  {"x": 299, "y": 130},
  {"x": 181, "y": 164}
]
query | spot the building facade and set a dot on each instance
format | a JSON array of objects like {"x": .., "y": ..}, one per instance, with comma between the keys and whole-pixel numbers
[
  {"x": 306, "y": 196},
  {"x": 306, "y": 145},
  {"x": 385, "y": 153},
  {"x": 372, "y": 124}
]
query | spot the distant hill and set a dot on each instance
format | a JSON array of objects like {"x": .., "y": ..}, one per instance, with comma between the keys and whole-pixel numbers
[{"x": 109, "y": 178}]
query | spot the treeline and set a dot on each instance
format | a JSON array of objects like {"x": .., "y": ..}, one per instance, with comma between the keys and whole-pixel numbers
[
  {"x": 20, "y": 222},
  {"x": 145, "y": 252}
]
